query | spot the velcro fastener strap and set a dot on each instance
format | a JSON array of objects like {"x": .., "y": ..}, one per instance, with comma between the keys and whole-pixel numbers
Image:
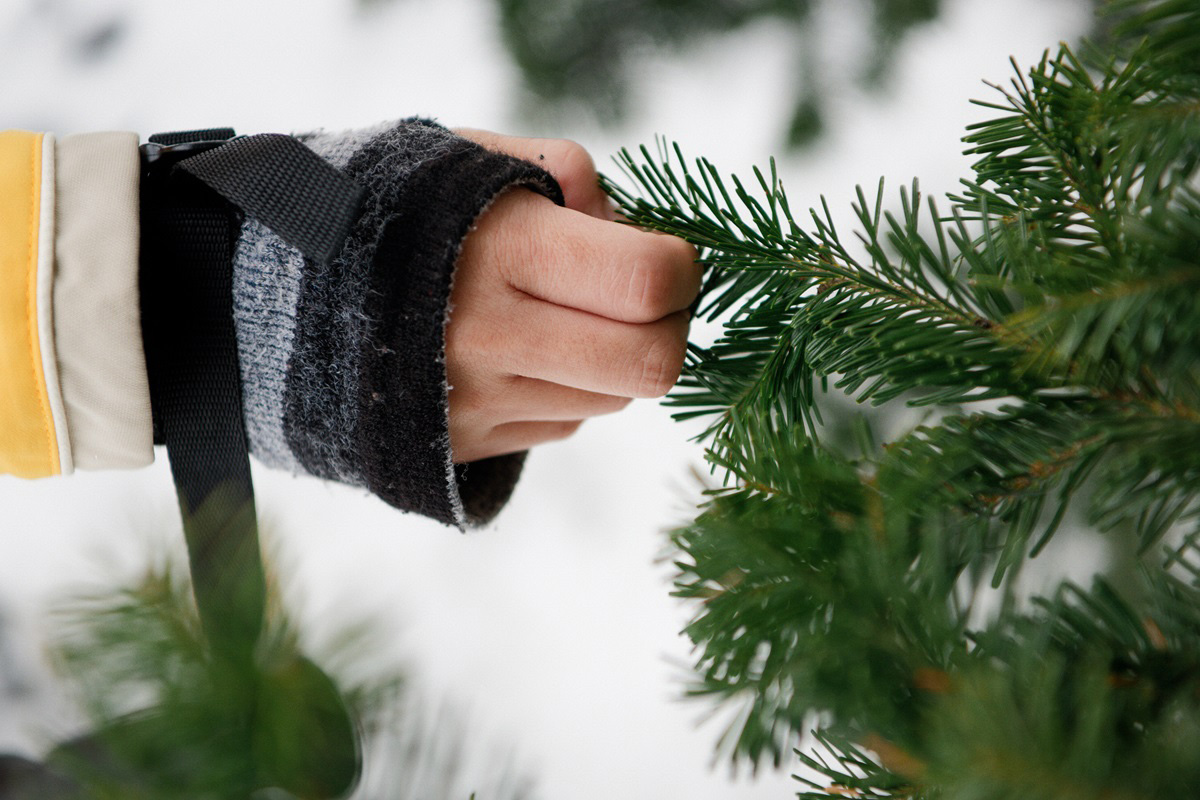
[{"x": 305, "y": 200}]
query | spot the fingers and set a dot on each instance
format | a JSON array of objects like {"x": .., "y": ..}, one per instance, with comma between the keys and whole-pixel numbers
[
  {"x": 569, "y": 163},
  {"x": 574, "y": 260},
  {"x": 556, "y": 315},
  {"x": 512, "y": 437},
  {"x": 573, "y": 348}
]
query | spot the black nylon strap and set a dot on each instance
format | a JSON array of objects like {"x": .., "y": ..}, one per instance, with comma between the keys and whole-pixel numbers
[
  {"x": 195, "y": 186},
  {"x": 305, "y": 200},
  {"x": 195, "y": 382},
  {"x": 189, "y": 230}
]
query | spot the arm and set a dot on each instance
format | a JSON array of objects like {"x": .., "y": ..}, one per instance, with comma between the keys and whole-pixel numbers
[{"x": 345, "y": 367}]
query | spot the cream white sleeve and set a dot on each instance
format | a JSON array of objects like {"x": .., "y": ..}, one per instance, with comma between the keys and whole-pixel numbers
[{"x": 97, "y": 321}]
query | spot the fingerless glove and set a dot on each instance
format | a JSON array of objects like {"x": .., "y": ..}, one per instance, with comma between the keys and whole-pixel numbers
[{"x": 343, "y": 364}]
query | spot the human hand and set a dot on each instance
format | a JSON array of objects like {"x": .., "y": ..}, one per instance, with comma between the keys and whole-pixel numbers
[{"x": 558, "y": 314}]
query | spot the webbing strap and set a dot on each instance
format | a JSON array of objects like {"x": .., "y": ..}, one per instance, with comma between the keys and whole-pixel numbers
[
  {"x": 191, "y": 202},
  {"x": 188, "y": 238},
  {"x": 301, "y": 197},
  {"x": 194, "y": 195}
]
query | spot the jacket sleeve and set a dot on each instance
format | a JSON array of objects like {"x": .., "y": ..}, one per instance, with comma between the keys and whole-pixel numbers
[
  {"x": 73, "y": 389},
  {"x": 343, "y": 364}
]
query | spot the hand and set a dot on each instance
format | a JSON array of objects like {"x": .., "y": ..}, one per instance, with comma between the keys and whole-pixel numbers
[{"x": 559, "y": 314}]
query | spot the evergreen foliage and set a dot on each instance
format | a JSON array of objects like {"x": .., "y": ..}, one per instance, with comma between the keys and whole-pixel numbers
[
  {"x": 587, "y": 50},
  {"x": 587, "y": 53},
  {"x": 1047, "y": 320},
  {"x": 168, "y": 720},
  {"x": 584, "y": 55}
]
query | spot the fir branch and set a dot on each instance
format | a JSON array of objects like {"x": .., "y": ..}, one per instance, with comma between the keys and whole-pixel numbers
[
  {"x": 848, "y": 586},
  {"x": 167, "y": 724},
  {"x": 903, "y": 321}
]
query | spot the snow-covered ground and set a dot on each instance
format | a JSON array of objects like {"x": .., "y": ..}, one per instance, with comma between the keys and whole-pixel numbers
[{"x": 554, "y": 628}]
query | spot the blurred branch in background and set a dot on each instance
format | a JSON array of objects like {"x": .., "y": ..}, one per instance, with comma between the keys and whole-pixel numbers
[
  {"x": 587, "y": 53},
  {"x": 584, "y": 56}
]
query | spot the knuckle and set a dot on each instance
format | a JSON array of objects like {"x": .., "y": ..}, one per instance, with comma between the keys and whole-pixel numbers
[
  {"x": 562, "y": 430},
  {"x": 466, "y": 403},
  {"x": 570, "y": 163},
  {"x": 649, "y": 290},
  {"x": 515, "y": 242},
  {"x": 661, "y": 365},
  {"x": 468, "y": 335}
]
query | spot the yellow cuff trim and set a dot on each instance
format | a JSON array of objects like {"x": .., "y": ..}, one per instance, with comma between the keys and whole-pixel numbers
[{"x": 28, "y": 445}]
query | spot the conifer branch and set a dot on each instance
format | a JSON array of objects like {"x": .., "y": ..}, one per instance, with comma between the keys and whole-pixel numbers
[{"x": 849, "y": 585}]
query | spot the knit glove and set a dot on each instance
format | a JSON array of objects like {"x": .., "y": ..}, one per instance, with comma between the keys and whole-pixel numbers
[{"x": 343, "y": 364}]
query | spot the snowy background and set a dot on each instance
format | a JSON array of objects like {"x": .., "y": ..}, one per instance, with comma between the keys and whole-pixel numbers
[{"x": 553, "y": 631}]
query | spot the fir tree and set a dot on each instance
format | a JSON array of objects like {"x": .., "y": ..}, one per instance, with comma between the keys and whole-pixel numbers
[{"x": 1047, "y": 320}]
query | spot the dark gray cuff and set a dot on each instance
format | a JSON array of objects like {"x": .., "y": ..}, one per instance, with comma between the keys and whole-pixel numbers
[{"x": 343, "y": 364}]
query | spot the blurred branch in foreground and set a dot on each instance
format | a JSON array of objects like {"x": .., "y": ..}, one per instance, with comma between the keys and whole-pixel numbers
[{"x": 168, "y": 721}]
